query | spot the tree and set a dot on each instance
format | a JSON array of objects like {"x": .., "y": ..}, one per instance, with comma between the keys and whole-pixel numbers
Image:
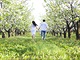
[
  {"x": 15, "y": 14},
  {"x": 64, "y": 11}
]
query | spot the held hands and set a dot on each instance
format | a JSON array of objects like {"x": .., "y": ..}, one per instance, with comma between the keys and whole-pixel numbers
[{"x": 37, "y": 27}]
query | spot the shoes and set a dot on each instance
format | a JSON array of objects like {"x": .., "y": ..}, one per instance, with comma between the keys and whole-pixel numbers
[{"x": 43, "y": 38}]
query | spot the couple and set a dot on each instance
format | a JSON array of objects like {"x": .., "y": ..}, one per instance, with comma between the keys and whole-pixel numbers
[{"x": 43, "y": 27}]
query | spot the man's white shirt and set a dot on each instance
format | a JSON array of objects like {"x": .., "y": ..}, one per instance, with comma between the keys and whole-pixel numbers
[{"x": 43, "y": 26}]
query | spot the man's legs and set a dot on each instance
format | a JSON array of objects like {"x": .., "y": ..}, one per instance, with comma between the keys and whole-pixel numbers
[{"x": 43, "y": 33}]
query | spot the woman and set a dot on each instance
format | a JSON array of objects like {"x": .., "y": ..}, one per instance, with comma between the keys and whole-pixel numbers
[{"x": 33, "y": 29}]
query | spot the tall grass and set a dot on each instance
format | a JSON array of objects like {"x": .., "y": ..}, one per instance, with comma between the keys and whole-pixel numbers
[{"x": 52, "y": 48}]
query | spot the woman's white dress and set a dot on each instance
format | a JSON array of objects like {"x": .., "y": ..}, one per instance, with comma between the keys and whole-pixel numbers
[{"x": 33, "y": 29}]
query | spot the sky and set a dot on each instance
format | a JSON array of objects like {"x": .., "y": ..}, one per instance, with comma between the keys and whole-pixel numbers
[{"x": 38, "y": 9}]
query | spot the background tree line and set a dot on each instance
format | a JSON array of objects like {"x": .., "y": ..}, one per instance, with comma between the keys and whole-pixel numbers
[
  {"x": 62, "y": 16},
  {"x": 15, "y": 17}
]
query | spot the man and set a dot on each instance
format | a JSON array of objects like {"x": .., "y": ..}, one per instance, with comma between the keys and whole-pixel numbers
[{"x": 43, "y": 27}]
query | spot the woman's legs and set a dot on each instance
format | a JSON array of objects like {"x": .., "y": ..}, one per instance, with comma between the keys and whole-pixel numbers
[{"x": 33, "y": 36}]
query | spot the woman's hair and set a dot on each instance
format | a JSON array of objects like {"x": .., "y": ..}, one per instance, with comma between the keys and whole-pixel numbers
[{"x": 33, "y": 22}]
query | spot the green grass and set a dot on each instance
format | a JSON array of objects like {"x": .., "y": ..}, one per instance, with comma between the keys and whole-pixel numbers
[{"x": 52, "y": 48}]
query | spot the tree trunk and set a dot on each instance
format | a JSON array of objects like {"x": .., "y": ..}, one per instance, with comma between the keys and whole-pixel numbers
[
  {"x": 60, "y": 34},
  {"x": 15, "y": 32},
  {"x": 68, "y": 29},
  {"x": 8, "y": 33},
  {"x": 3, "y": 35},
  {"x": 54, "y": 33},
  {"x": 69, "y": 35},
  {"x": 64, "y": 34},
  {"x": 57, "y": 33},
  {"x": 24, "y": 33}
]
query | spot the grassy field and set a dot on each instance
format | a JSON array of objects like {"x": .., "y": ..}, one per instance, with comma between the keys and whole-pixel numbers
[{"x": 52, "y": 48}]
